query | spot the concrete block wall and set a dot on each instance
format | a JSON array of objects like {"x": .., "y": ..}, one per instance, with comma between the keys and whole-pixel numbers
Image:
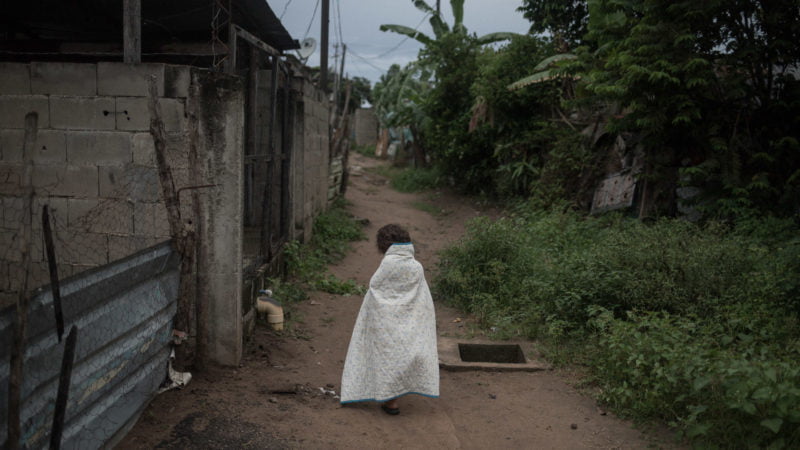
[
  {"x": 93, "y": 160},
  {"x": 316, "y": 156}
]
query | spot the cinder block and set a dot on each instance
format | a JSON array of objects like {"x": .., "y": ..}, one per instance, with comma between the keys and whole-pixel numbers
[
  {"x": 121, "y": 246},
  {"x": 80, "y": 247},
  {"x": 49, "y": 147},
  {"x": 128, "y": 80},
  {"x": 150, "y": 220},
  {"x": 37, "y": 247},
  {"x": 12, "y": 178},
  {"x": 79, "y": 212},
  {"x": 82, "y": 113},
  {"x": 57, "y": 206},
  {"x": 59, "y": 78},
  {"x": 13, "y": 213},
  {"x": 11, "y": 142},
  {"x": 15, "y": 78},
  {"x": 130, "y": 182},
  {"x": 8, "y": 299},
  {"x": 69, "y": 181},
  {"x": 132, "y": 114},
  {"x": 38, "y": 276},
  {"x": 176, "y": 81},
  {"x": 10, "y": 246},
  {"x": 14, "y": 108},
  {"x": 101, "y": 216},
  {"x": 144, "y": 151},
  {"x": 99, "y": 148},
  {"x": 5, "y": 284}
]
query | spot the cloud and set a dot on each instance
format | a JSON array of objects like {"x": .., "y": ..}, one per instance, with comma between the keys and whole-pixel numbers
[{"x": 368, "y": 46}]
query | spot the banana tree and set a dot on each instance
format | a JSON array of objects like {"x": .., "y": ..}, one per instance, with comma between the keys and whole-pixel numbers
[
  {"x": 440, "y": 27},
  {"x": 546, "y": 70},
  {"x": 398, "y": 101}
]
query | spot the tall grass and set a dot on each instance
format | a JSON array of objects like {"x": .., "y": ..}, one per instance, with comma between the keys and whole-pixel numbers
[{"x": 695, "y": 325}]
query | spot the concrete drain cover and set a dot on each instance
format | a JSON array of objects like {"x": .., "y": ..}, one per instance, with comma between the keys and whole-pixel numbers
[
  {"x": 491, "y": 353},
  {"x": 465, "y": 354}
]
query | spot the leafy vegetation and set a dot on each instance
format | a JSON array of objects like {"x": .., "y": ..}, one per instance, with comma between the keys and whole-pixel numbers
[
  {"x": 411, "y": 180},
  {"x": 692, "y": 324},
  {"x": 307, "y": 264},
  {"x": 695, "y": 325},
  {"x": 711, "y": 86}
]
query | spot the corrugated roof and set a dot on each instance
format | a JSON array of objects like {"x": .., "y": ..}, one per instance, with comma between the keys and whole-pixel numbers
[{"x": 174, "y": 20}]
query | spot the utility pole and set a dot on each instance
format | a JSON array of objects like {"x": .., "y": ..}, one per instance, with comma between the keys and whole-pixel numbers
[
  {"x": 132, "y": 31},
  {"x": 437, "y": 6},
  {"x": 323, "y": 52},
  {"x": 341, "y": 74}
]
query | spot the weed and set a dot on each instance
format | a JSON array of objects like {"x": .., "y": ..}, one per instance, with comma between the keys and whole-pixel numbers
[
  {"x": 307, "y": 264},
  {"x": 366, "y": 150},
  {"x": 410, "y": 179},
  {"x": 693, "y": 325},
  {"x": 430, "y": 209}
]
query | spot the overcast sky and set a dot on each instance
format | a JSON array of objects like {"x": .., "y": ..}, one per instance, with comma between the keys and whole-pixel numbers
[{"x": 371, "y": 51}]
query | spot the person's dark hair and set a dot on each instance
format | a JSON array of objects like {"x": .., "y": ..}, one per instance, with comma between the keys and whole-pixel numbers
[{"x": 391, "y": 234}]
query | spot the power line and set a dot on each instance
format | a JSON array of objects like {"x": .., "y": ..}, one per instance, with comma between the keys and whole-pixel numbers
[
  {"x": 339, "y": 14},
  {"x": 365, "y": 60},
  {"x": 284, "y": 9},
  {"x": 406, "y": 38},
  {"x": 311, "y": 22}
]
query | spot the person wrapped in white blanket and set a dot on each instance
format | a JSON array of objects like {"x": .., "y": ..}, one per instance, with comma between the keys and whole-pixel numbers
[{"x": 392, "y": 351}]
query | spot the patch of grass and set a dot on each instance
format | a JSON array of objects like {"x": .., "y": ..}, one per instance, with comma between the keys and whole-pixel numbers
[
  {"x": 366, "y": 150},
  {"x": 416, "y": 180},
  {"x": 333, "y": 285},
  {"x": 430, "y": 209},
  {"x": 411, "y": 179},
  {"x": 307, "y": 264}
]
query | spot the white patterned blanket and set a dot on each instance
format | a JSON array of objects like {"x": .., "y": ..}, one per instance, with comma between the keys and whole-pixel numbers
[{"x": 393, "y": 348}]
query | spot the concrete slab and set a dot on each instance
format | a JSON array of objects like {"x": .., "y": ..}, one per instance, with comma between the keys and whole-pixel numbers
[{"x": 450, "y": 358}]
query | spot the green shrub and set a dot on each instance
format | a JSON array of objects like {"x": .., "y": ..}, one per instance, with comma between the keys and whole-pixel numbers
[
  {"x": 696, "y": 325},
  {"x": 718, "y": 387}
]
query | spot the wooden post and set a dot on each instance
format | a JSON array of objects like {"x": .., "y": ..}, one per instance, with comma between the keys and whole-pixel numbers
[
  {"x": 251, "y": 148},
  {"x": 230, "y": 63},
  {"x": 132, "y": 31},
  {"x": 21, "y": 323},
  {"x": 60, "y": 413},
  {"x": 182, "y": 234},
  {"x": 53, "y": 266},
  {"x": 323, "y": 47},
  {"x": 267, "y": 210},
  {"x": 200, "y": 250}
]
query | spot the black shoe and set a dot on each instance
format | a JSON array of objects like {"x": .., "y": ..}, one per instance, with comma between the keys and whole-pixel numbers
[{"x": 390, "y": 411}]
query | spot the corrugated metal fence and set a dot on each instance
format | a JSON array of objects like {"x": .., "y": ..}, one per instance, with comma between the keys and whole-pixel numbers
[{"x": 123, "y": 313}]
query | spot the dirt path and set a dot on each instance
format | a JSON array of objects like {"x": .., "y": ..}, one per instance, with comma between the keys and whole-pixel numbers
[{"x": 281, "y": 395}]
